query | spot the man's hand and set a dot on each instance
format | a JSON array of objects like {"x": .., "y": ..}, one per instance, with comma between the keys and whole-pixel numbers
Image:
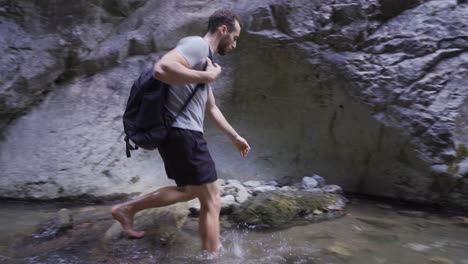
[
  {"x": 242, "y": 145},
  {"x": 213, "y": 69}
]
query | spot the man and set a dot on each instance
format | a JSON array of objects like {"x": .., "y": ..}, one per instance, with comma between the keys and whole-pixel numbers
[{"x": 184, "y": 152}]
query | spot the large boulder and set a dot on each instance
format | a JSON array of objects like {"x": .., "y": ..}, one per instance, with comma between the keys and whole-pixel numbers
[
  {"x": 279, "y": 209},
  {"x": 368, "y": 94}
]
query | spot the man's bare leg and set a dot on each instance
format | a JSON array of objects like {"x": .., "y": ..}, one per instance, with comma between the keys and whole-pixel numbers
[
  {"x": 210, "y": 207},
  {"x": 165, "y": 196}
]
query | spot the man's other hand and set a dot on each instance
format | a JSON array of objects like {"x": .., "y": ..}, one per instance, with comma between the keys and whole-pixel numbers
[
  {"x": 213, "y": 69},
  {"x": 242, "y": 145}
]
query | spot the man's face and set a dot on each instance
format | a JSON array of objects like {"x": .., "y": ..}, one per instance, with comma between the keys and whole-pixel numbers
[{"x": 229, "y": 41}]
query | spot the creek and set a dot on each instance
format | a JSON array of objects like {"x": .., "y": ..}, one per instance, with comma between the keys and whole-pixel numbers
[{"x": 370, "y": 232}]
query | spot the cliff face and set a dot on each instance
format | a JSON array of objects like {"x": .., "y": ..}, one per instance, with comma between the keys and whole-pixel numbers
[{"x": 370, "y": 94}]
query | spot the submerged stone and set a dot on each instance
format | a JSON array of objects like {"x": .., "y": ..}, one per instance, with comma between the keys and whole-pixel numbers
[
  {"x": 56, "y": 225},
  {"x": 162, "y": 224}
]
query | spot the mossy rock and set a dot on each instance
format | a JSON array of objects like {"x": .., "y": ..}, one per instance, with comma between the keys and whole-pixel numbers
[{"x": 277, "y": 209}]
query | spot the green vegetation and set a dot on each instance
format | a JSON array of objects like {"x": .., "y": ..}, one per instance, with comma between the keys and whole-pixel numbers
[
  {"x": 135, "y": 179},
  {"x": 462, "y": 152}
]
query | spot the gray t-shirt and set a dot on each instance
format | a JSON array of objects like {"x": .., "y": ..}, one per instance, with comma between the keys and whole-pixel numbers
[{"x": 195, "y": 50}]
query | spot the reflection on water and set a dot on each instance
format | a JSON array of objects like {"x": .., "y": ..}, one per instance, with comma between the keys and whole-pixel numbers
[{"x": 369, "y": 233}]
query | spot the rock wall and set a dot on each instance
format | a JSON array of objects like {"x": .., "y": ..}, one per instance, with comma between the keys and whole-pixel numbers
[{"x": 371, "y": 95}]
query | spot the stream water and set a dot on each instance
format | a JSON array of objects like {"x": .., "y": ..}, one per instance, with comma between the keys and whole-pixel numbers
[{"x": 370, "y": 232}]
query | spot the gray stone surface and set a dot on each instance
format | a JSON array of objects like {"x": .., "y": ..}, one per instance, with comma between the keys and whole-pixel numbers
[
  {"x": 332, "y": 189},
  {"x": 262, "y": 189},
  {"x": 252, "y": 183},
  {"x": 309, "y": 183},
  {"x": 463, "y": 168},
  {"x": 320, "y": 180},
  {"x": 368, "y": 94}
]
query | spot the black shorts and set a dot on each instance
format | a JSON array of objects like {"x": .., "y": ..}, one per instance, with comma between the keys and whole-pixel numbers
[{"x": 186, "y": 158}]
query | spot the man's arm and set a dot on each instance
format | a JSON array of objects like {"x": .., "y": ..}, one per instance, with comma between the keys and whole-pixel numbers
[
  {"x": 220, "y": 121},
  {"x": 173, "y": 68}
]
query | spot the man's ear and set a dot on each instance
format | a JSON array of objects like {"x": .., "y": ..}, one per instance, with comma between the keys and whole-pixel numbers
[{"x": 223, "y": 29}]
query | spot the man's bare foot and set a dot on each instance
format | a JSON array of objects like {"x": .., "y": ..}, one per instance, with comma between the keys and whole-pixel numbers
[{"x": 125, "y": 218}]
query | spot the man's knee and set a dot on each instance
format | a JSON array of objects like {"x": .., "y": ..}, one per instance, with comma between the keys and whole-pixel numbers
[
  {"x": 209, "y": 195},
  {"x": 189, "y": 193}
]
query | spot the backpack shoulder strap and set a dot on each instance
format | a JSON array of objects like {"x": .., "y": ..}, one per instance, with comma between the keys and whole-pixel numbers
[{"x": 200, "y": 85}]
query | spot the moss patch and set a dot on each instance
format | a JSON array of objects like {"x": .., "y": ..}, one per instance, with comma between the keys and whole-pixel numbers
[
  {"x": 462, "y": 152},
  {"x": 275, "y": 209},
  {"x": 135, "y": 179}
]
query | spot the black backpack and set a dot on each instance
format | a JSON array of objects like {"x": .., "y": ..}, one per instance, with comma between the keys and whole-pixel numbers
[{"x": 146, "y": 120}]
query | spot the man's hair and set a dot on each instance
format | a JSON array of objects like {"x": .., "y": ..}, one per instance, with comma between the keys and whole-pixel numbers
[{"x": 223, "y": 17}]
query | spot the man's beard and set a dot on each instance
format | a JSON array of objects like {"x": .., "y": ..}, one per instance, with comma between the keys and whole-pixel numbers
[{"x": 223, "y": 45}]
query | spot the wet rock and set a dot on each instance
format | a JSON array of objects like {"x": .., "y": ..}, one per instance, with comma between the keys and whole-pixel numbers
[
  {"x": 161, "y": 225},
  {"x": 320, "y": 180},
  {"x": 272, "y": 183},
  {"x": 232, "y": 186},
  {"x": 332, "y": 189},
  {"x": 338, "y": 205},
  {"x": 56, "y": 225},
  {"x": 275, "y": 209},
  {"x": 65, "y": 218},
  {"x": 228, "y": 200},
  {"x": 262, "y": 189},
  {"x": 317, "y": 212},
  {"x": 315, "y": 190},
  {"x": 252, "y": 183},
  {"x": 340, "y": 249},
  {"x": 308, "y": 183},
  {"x": 235, "y": 188}
]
